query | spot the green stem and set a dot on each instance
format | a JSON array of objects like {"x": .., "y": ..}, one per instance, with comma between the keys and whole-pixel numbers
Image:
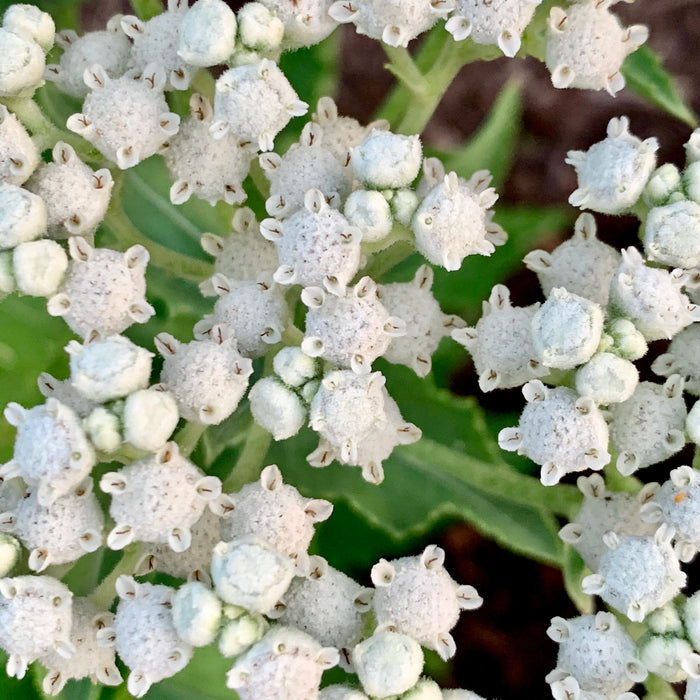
[
  {"x": 188, "y": 437},
  {"x": 386, "y": 259},
  {"x": 659, "y": 689},
  {"x": 126, "y": 234},
  {"x": 104, "y": 594},
  {"x": 249, "y": 464},
  {"x": 45, "y": 133},
  {"x": 259, "y": 180},
  {"x": 423, "y": 81}
]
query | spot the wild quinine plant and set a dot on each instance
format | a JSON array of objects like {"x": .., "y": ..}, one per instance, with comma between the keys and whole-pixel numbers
[{"x": 158, "y": 506}]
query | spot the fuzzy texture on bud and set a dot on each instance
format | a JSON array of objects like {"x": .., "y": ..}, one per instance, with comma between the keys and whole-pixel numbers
[
  {"x": 388, "y": 663},
  {"x": 582, "y": 264},
  {"x": 90, "y": 660},
  {"x": 604, "y": 511},
  {"x": 51, "y": 450},
  {"x": 417, "y": 597},
  {"x": 286, "y": 664},
  {"x": 586, "y": 46},
  {"x": 387, "y": 161},
  {"x": 39, "y": 267},
  {"x": 250, "y": 573},
  {"x": 558, "y": 430},
  {"x": 307, "y": 164},
  {"x": 196, "y": 613},
  {"x": 682, "y": 358},
  {"x": 212, "y": 170},
  {"x": 315, "y": 246},
  {"x": 501, "y": 343},
  {"x": 156, "y": 43},
  {"x": 207, "y": 33},
  {"x": 207, "y": 377},
  {"x": 648, "y": 427},
  {"x": 144, "y": 635},
  {"x": 276, "y": 408},
  {"x": 110, "y": 48},
  {"x": 637, "y": 574},
  {"x": 22, "y": 216},
  {"x": 306, "y": 22},
  {"x": 454, "y": 221},
  {"x": 126, "y": 119},
  {"x": 597, "y": 654},
  {"x": 76, "y": 197},
  {"x": 612, "y": 174},
  {"x": 328, "y": 605},
  {"x": 672, "y": 234},
  {"x": 566, "y": 329},
  {"x": 349, "y": 331},
  {"x": 255, "y": 102},
  {"x": 651, "y": 297},
  {"x": 103, "y": 290},
  {"x": 607, "y": 379},
  {"x": 426, "y": 325},
  {"x": 255, "y": 310},
  {"x": 103, "y": 369},
  {"x": 395, "y": 22},
  {"x": 158, "y": 499},
  {"x": 276, "y": 513},
  {"x": 19, "y": 155},
  {"x": 62, "y": 531},
  {"x": 22, "y": 64},
  {"x": 149, "y": 418},
  {"x": 35, "y": 619},
  {"x": 501, "y": 22}
]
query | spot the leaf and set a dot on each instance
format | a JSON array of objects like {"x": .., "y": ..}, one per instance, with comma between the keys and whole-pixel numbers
[
  {"x": 31, "y": 342},
  {"x": 13, "y": 688},
  {"x": 574, "y": 571},
  {"x": 203, "y": 678},
  {"x": 646, "y": 76},
  {"x": 146, "y": 198},
  {"x": 492, "y": 146}
]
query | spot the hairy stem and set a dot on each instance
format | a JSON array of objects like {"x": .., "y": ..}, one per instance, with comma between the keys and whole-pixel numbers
[
  {"x": 249, "y": 464},
  {"x": 126, "y": 234},
  {"x": 104, "y": 594},
  {"x": 188, "y": 437}
]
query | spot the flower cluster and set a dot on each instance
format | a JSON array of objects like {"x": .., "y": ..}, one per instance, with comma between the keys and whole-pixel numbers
[{"x": 216, "y": 550}]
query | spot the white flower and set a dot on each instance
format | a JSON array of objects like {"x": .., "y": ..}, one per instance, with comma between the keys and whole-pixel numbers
[
  {"x": 103, "y": 290},
  {"x": 501, "y": 22},
  {"x": 127, "y": 118},
  {"x": 387, "y": 663},
  {"x": 207, "y": 33},
  {"x": 286, "y": 664},
  {"x": 109, "y": 47},
  {"x": 558, "y": 430},
  {"x": 158, "y": 499},
  {"x": 416, "y": 596},
  {"x": 596, "y": 653},
  {"x": 255, "y": 102},
  {"x": 586, "y": 46},
  {"x": 19, "y": 155},
  {"x": 612, "y": 174},
  {"x": 207, "y": 377}
]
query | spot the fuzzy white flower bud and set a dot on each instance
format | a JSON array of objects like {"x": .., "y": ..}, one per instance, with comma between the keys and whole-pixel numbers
[
  {"x": 388, "y": 663},
  {"x": 250, "y": 573},
  {"x": 607, "y": 379},
  {"x": 39, "y": 267},
  {"x": 369, "y": 211},
  {"x": 294, "y": 367},
  {"x": 663, "y": 182},
  {"x": 196, "y": 613},
  {"x": 387, "y": 161},
  {"x": 149, "y": 418},
  {"x": 19, "y": 155},
  {"x": 276, "y": 408},
  {"x": 259, "y": 28},
  {"x": 102, "y": 427},
  {"x": 10, "y": 551},
  {"x": 207, "y": 33},
  {"x": 22, "y": 216},
  {"x": 22, "y": 64},
  {"x": 31, "y": 23}
]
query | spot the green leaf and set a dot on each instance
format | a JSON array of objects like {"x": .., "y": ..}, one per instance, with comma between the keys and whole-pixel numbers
[
  {"x": 455, "y": 470},
  {"x": 12, "y": 688},
  {"x": 492, "y": 146},
  {"x": 203, "y": 678},
  {"x": 574, "y": 571},
  {"x": 31, "y": 342},
  {"x": 646, "y": 76}
]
